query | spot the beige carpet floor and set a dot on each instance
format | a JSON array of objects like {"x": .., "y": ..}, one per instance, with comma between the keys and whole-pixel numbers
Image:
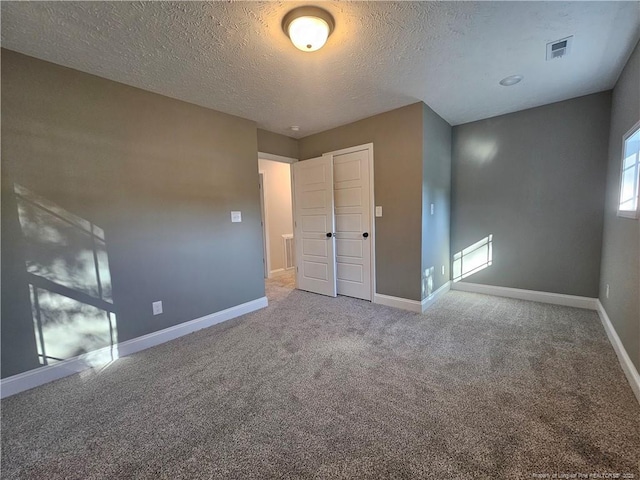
[{"x": 313, "y": 387}]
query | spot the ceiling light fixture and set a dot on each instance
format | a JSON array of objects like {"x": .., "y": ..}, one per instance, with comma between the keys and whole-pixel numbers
[
  {"x": 511, "y": 80},
  {"x": 308, "y": 27}
]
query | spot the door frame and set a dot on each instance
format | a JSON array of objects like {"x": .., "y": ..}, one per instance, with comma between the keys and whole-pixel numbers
[
  {"x": 372, "y": 205},
  {"x": 276, "y": 158},
  {"x": 265, "y": 233},
  {"x": 262, "y": 180}
]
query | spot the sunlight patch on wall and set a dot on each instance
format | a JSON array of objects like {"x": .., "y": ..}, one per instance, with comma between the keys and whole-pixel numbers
[
  {"x": 427, "y": 282},
  {"x": 472, "y": 259},
  {"x": 67, "y": 328},
  {"x": 480, "y": 150},
  {"x": 69, "y": 280}
]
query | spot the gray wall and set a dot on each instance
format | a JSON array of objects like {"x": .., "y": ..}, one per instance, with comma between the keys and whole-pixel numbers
[
  {"x": 534, "y": 179},
  {"x": 436, "y": 189},
  {"x": 160, "y": 177},
  {"x": 16, "y": 327},
  {"x": 397, "y": 150},
  {"x": 620, "y": 249},
  {"x": 276, "y": 144}
]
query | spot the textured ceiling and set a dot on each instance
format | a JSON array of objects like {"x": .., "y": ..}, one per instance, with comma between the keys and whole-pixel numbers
[{"x": 234, "y": 57}]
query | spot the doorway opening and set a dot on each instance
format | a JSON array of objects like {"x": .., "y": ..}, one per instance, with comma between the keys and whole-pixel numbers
[{"x": 277, "y": 219}]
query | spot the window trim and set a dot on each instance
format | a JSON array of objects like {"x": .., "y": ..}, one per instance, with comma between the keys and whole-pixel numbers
[{"x": 626, "y": 213}]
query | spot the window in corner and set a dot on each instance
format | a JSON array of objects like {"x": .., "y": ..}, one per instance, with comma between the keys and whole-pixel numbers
[{"x": 629, "y": 178}]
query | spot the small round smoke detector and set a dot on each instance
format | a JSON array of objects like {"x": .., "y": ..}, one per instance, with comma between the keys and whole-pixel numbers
[
  {"x": 295, "y": 128},
  {"x": 511, "y": 80}
]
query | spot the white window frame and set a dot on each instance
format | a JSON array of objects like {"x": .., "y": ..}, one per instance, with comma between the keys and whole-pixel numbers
[{"x": 628, "y": 213}]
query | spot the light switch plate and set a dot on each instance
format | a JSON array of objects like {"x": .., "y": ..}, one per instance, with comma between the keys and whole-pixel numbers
[
  {"x": 378, "y": 211},
  {"x": 157, "y": 308},
  {"x": 236, "y": 217}
]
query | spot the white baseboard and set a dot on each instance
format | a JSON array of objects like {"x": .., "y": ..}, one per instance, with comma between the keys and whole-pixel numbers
[
  {"x": 398, "y": 302},
  {"x": 427, "y": 302},
  {"x": 411, "y": 305},
  {"x": 48, "y": 373},
  {"x": 627, "y": 365},
  {"x": 276, "y": 272},
  {"x": 156, "y": 338},
  {"x": 39, "y": 376},
  {"x": 532, "y": 295}
]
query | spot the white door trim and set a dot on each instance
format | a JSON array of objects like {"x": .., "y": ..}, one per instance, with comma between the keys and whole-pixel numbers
[
  {"x": 293, "y": 222},
  {"x": 372, "y": 206},
  {"x": 265, "y": 227},
  {"x": 276, "y": 158}
]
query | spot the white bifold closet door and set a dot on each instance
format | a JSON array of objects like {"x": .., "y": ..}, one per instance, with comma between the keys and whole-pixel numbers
[
  {"x": 333, "y": 224},
  {"x": 313, "y": 225},
  {"x": 353, "y": 224}
]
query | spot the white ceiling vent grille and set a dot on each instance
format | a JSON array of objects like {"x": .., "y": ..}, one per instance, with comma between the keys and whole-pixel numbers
[{"x": 559, "y": 48}]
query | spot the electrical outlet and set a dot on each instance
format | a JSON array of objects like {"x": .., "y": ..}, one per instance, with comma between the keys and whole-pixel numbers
[
  {"x": 157, "y": 308},
  {"x": 433, "y": 207},
  {"x": 606, "y": 291},
  {"x": 442, "y": 269}
]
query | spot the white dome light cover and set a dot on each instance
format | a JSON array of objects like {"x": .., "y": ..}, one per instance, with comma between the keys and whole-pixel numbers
[{"x": 308, "y": 27}]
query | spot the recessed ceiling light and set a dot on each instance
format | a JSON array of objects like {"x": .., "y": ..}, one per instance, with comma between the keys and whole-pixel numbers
[
  {"x": 511, "y": 80},
  {"x": 308, "y": 27},
  {"x": 295, "y": 128}
]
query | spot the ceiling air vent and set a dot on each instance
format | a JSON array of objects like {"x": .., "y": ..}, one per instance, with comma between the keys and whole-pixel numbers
[{"x": 559, "y": 48}]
